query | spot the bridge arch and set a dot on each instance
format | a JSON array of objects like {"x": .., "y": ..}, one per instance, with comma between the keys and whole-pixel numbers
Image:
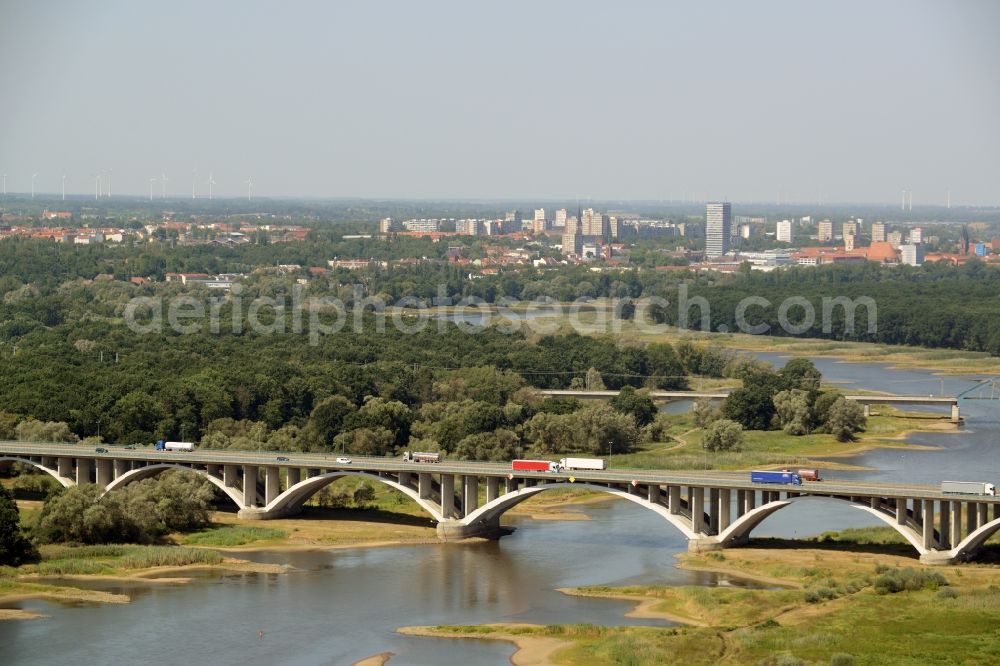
[
  {"x": 149, "y": 471},
  {"x": 970, "y": 544},
  {"x": 740, "y": 528},
  {"x": 492, "y": 511},
  {"x": 291, "y": 501},
  {"x": 66, "y": 483}
]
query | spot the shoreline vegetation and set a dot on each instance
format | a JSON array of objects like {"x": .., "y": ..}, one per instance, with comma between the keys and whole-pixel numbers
[
  {"x": 808, "y": 601},
  {"x": 594, "y": 318},
  {"x": 51, "y": 579},
  {"x": 938, "y": 361}
]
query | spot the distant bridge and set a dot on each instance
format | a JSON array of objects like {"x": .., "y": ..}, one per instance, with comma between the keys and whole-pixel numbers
[
  {"x": 866, "y": 400},
  {"x": 711, "y": 509}
]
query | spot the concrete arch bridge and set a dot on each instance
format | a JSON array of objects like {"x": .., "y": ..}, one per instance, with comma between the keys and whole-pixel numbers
[{"x": 467, "y": 499}]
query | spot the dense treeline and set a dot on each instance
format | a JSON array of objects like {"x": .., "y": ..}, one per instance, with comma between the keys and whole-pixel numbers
[
  {"x": 932, "y": 305},
  {"x": 42, "y": 283},
  {"x": 368, "y": 392}
]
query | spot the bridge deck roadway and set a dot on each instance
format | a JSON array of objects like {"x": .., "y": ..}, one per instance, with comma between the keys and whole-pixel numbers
[{"x": 708, "y": 479}]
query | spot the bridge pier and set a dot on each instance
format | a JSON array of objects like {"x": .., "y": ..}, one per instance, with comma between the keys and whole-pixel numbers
[
  {"x": 105, "y": 473},
  {"x": 492, "y": 488},
  {"x": 725, "y": 506},
  {"x": 944, "y": 509},
  {"x": 83, "y": 470},
  {"x": 249, "y": 486},
  {"x": 425, "y": 485},
  {"x": 674, "y": 499},
  {"x": 293, "y": 476},
  {"x": 928, "y": 523},
  {"x": 955, "y": 413},
  {"x": 272, "y": 484},
  {"x": 447, "y": 496},
  {"x": 470, "y": 494}
]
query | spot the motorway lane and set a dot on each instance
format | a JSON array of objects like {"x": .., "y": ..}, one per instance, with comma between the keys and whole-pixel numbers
[{"x": 734, "y": 480}]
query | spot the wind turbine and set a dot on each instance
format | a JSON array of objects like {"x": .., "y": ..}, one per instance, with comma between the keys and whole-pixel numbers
[
  {"x": 211, "y": 183},
  {"x": 151, "y": 181},
  {"x": 64, "y": 187},
  {"x": 949, "y": 198},
  {"x": 97, "y": 186},
  {"x": 110, "y": 171},
  {"x": 249, "y": 186},
  {"x": 194, "y": 179},
  {"x": 33, "y": 177},
  {"x": 163, "y": 186}
]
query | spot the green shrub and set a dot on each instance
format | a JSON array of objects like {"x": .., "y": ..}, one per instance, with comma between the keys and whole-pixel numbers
[
  {"x": 841, "y": 659},
  {"x": 908, "y": 580},
  {"x": 947, "y": 593}
]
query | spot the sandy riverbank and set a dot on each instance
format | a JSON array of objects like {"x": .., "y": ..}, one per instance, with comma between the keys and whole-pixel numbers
[{"x": 531, "y": 650}]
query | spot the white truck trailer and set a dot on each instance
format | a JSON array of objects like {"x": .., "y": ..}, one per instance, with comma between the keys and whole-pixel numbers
[
  {"x": 968, "y": 487},
  {"x": 582, "y": 463}
]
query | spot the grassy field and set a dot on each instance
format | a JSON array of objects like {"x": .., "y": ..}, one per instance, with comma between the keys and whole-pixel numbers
[
  {"x": 833, "y": 606},
  {"x": 773, "y": 447}
]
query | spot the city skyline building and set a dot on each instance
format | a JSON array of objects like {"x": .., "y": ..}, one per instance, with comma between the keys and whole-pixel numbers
[
  {"x": 784, "y": 231},
  {"x": 824, "y": 231},
  {"x": 878, "y": 232},
  {"x": 718, "y": 228}
]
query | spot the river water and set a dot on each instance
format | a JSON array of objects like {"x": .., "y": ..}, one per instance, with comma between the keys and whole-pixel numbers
[{"x": 336, "y": 607}]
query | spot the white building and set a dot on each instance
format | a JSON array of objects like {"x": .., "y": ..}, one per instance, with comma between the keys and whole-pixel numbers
[
  {"x": 916, "y": 235},
  {"x": 560, "y": 220},
  {"x": 912, "y": 254},
  {"x": 784, "y": 234},
  {"x": 718, "y": 228}
]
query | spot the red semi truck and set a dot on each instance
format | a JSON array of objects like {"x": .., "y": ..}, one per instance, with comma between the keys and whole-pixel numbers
[{"x": 534, "y": 466}]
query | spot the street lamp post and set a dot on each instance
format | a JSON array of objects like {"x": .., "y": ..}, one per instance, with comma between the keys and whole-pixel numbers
[{"x": 610, "y": 442}]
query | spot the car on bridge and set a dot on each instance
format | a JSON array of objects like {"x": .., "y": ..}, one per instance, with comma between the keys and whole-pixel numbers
[
  {"x": 130, "y": 447},
  {"x": 343, "y": 461},
  {"x": 100, "y": 449},
  {"x": 282, "y": 459}
]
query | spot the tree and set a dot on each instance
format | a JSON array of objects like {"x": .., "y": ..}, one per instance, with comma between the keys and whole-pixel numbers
[
  {"x": 665, "y": 367},
  {"x": 498, "y": 445},
  {"x": 366, "y": 441},
  {"x": 845, "y": 418},
  {"x": 15, "y": 548},
  {"x": 723, "y": 435},
  {"x": 636, "y": 403},
  {"x": 658, "y": 430},
  {"x": 8, "y": 425},
  {"x": 138, "y": 513},
  {"x": 390, "y": 415},
  {"x": 800, "y": 373},
  {"x": 705, "y": 411},
  {"x": 34, "y": 430},
  {"x": 822, "y": 404},
  {"x": 793, "y": 411},
  {"x": 752, "y": 405},
  {"x": 327, "y": 420},
  {"x": 593, "y": 381},
  {"x": 363, "y": 496}
]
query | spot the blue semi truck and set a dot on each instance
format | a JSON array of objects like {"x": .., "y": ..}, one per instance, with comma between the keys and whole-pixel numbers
[{"x": 786, "y": 478}]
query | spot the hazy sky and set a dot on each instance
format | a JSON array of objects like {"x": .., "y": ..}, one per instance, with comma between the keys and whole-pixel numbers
[{"x": 834, "y": 101}]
